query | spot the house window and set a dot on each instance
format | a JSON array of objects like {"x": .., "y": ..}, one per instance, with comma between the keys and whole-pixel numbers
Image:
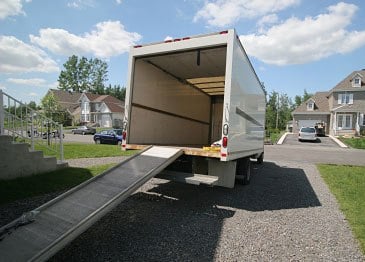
[
  {"x": 310, "y": 106},
  {"x": 344, "y": 121},
  {"x": 356, "y": 82},
  {"x": 346, "y": 99}
]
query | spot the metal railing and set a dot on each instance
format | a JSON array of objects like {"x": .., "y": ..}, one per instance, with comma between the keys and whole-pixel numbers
[{"x": 27, "y": 125}]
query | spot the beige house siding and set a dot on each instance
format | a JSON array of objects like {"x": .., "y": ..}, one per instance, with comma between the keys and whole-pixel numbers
[
  {"x": 331, "y": 101},
  {"x": 358, "y": 99}
]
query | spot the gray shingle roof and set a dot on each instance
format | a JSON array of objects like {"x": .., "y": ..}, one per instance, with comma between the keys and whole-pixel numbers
[
  {"x": 321, "y": 104},
  {"x": 345, "y": 84},
  {"x": 70, "y": 100},
  {"x": 67, "y": 100}
]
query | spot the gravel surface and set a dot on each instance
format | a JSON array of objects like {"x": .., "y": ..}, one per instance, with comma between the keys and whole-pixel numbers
[{"x": 286, "y": 214}]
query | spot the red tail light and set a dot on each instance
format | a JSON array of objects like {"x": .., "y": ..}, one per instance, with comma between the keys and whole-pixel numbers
[
  {"x": 137, "y": 46},
  {"x": 124, "y": 135},
  {"x": 223, "y": 32},
  {"x": 186, "y": 38},
  {"x": 224, "y": 141}
]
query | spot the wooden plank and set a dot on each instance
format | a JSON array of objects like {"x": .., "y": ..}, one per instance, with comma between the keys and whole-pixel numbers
[
  {"x": 216, "y": 93},
  {"x": 191, "y": 151},
  {"x": 206, "y": 80},
  {"x": 213, "y": 90},
  {"x": 210, "y": 85}
]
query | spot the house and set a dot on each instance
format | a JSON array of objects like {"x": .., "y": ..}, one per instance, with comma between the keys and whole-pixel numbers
[
  {"x": 104, "y": 110},
  {"x": 341, "y": 109},
  {"x": 91, "y": 109}
]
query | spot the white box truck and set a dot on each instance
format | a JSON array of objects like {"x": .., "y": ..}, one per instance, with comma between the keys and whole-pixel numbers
[{"x": 190, "y": 93}]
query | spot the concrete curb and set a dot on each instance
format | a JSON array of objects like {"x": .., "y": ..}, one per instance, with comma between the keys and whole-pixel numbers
[
  {"x": 282, "y": 138},
  {"x": 338, "y": 141}
]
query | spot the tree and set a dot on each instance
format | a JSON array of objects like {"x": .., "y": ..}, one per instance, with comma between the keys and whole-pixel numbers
[
  {"x": 116, "y": 91},
  {"x": 32, "y": 105},
  {"x": 306, "y": 95},
  {"x": 284, "y": 114},
  {"x": 53, "y": 110},
  {"x": 83, "y": 75},
  {"x": 278, "y": 111},
  {"x": 98, "y": 75},
  {"x": 298, "y": 100},
  {"x": 272, "y": 110}
]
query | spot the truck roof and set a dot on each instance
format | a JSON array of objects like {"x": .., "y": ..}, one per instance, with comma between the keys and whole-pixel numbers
[
  {"x": 170, "y": 55},
  {"x": 182, "y": 39}
]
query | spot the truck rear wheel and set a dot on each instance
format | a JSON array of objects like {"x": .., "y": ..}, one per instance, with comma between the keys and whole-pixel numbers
[
  {"x": 260, "y": 159},
  {"x": 243, "y": 171}
]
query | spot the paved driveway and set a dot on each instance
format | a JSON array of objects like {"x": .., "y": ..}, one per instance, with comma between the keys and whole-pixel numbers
[{"x": 292, "y": 139}]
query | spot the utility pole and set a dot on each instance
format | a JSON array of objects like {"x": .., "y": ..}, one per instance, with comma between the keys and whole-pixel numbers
[{"x": 277, "y": 113}]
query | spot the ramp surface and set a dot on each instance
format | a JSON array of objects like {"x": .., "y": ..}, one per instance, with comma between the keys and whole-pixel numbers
[{"x": 65, "y": 217}]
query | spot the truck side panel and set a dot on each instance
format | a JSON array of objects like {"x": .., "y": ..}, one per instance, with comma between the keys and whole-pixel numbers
[{"x": 244, "y": 107}]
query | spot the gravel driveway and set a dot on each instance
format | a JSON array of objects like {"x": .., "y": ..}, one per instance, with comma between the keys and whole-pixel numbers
[{"x": 286, "y": 214}]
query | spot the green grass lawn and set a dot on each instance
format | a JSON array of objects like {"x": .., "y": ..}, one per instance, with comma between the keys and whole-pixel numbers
[
  {"x": 358, "y": 142},
  {"x": 347, "y": 183},
  {"x": 274, "y": 136},
  {"x": 24, "y": 187},
  {"x": 80, "y": 150}
]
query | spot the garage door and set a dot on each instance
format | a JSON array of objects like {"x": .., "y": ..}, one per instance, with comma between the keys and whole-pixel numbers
[{"x": 307, "y": 123}]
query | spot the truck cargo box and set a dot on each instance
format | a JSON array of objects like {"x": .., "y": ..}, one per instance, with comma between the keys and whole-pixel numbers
[{"x": 192, "y": 92}]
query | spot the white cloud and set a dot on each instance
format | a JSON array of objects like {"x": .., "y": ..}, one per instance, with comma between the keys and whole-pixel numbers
[
  {"x": 80, "y": 4},
  {"x": 17, "y": 56},
  {"x": 267, "y": 20},
  {"x": 10, "y": 8},
  {"x": 108, "y": 39},
  {"x": 298, "y": 41},
  {"x": 32, "y": 94},
  {"x": 29, "y": 81},
  {"x": 225, "y": 12},
  {"x": 118, "y": 2}
]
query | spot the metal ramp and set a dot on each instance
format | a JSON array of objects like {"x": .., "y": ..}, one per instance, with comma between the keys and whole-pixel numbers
[{"x": 47, "y": 229}]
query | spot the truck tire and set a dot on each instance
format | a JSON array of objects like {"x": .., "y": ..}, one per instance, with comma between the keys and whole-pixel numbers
[
  {"x": 243, "y": 171},
  {"x": 260, "y": 159}
]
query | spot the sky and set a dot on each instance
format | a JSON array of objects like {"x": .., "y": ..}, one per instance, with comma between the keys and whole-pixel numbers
[{"x": 294, "y": 45}]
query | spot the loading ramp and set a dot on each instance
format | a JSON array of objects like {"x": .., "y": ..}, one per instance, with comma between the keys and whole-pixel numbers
[{"x": 47, "y": 229}]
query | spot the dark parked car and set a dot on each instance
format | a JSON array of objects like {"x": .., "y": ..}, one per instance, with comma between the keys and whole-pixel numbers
[
  {"x": 113, "y": 136},
  {"x": 83, "y": 130}
]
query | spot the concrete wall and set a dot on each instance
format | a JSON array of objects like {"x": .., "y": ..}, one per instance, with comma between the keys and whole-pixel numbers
[{"x": 16, "y": 160}]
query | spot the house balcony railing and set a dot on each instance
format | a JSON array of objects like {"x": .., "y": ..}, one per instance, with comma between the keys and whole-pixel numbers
[{"x": 27, "y": 125}]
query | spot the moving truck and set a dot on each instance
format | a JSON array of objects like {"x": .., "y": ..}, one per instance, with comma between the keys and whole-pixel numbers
[{"x": 200, "y": 94}]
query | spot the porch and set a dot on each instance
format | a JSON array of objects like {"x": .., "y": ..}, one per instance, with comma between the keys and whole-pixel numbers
[{"x": 347, "y": 123}]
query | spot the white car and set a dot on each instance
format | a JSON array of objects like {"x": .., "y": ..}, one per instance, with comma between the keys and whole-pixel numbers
[{"x": 308, "y": 134}]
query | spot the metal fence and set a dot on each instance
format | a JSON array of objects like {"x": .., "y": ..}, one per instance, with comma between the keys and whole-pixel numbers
[{"x": 27, "y": 125}]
